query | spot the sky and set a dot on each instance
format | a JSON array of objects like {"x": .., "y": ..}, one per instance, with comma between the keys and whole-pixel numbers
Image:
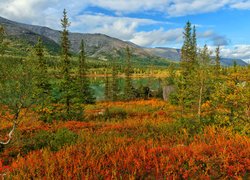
[{"x": 148, "y": 23}]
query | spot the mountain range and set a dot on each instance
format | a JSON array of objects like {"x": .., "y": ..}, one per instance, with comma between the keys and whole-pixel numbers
[{"x": 98, "y": 46}]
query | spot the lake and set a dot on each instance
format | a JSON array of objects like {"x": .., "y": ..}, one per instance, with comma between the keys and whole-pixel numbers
[{"x": 98, "y": 84}]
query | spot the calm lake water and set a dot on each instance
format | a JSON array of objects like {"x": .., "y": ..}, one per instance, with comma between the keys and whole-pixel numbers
[{"x": 98, "y": 85}]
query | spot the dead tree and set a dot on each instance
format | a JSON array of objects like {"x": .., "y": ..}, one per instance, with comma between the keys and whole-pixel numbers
[
  {"x": 10, "y": 134},
  {"x": 15, "y": 123}
]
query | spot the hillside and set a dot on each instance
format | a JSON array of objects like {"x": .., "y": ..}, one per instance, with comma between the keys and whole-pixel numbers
[
  {"x": 175, "y": 55},
  {"x": 16, "y": 31},
  {"x": 169, "y": 53},
  {"x": 98, "y": 46}
]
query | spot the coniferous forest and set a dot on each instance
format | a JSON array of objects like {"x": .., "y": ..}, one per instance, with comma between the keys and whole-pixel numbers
[{"x": 195, "y": 124}]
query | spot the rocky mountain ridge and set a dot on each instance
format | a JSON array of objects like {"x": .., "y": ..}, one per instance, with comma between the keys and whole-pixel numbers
[{"x": 97, "y": 45}]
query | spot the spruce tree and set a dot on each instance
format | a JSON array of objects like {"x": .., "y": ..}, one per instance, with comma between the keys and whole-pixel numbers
[
  {"x": 86, "y": 93},
  {"x": 65, "y": 45},
  {"x": 115, "y": 86},
  {"x": 189, "y": 49},
  {"x": 128, "y": 90},
  {"x": 70, "y": 108},
  {"x": 107, "y": 90},
  {"x": 186, "y": 84},
  {"x": 186, "y": 50},
  {"x": 194, "y": 46},
  {"x": 42, "y": 80},
  {"x": 187, "y": 66}
]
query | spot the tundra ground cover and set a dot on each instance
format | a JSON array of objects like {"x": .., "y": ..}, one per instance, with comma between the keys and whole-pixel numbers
[{"x": 124, "y": 140}]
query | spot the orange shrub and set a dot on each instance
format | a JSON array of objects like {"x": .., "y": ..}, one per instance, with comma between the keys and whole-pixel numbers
[{"x": 215, "y": 154}]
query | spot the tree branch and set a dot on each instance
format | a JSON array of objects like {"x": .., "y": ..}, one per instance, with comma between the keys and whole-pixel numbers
[
  {"x": 13, "y": 128},
  {"x": 9, "y": 135}
]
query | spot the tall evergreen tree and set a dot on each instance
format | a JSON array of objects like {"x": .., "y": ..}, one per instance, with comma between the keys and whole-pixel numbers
[
  {"x": 82, "y": 60},
  {"x": 187, "y": 66},
  {"x": 194, "y": 46},
  {"x": 189, "y": 49},
  {"x": 42, "y": 80},
  {"x": 186, "y": 84},
  {"x": 128, "y": 91},
  {"x": 67, "y": 97},
  {"x": 115, "y": 86},
  {"x": 42, "y": 67},
  {"x": 186, "y": 50},
  {"x": 65, "y": 45},
  {"x": 107, "y": 91},
  {"x": 86, "y": 93}
]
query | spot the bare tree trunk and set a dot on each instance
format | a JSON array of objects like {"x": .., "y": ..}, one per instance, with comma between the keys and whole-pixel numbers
[
  {"x": 200, "y": 100},
  {"x": 12, "y": 130},
  {"x": 9, "y": 135}
]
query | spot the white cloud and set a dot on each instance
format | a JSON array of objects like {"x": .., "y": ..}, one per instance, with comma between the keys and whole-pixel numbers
[
  {"x": 213, "y": 37},
  {"x": 240, "y": 51},
  {"x": 39, "y": 12},
  {"x": 241, "y": 5},
  {"x": 188, "y": 7},
  {"x": 126, "y": 28},
  {"x": 120, "y": 27},
  {"x": 158, "y": 37},
  {"x": 47, "y": 11},
  {"x": 24, "y": 10}
]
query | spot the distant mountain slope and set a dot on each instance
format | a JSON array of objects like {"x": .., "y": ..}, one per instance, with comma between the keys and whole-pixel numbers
[
  {"x": 169, "y": 53},
  {"x": 230, "y": 62},
  {"x": 175, "y": 55},
  {"x": 97, "y": 45},
  {"x": 16, "y": 32}
]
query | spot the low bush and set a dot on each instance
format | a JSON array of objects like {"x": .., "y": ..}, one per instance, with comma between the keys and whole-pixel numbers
[
  {"x": 114, "y": 113},
  {"x": 54, "y": 141},
  {"x": 62, "y": 137}
]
